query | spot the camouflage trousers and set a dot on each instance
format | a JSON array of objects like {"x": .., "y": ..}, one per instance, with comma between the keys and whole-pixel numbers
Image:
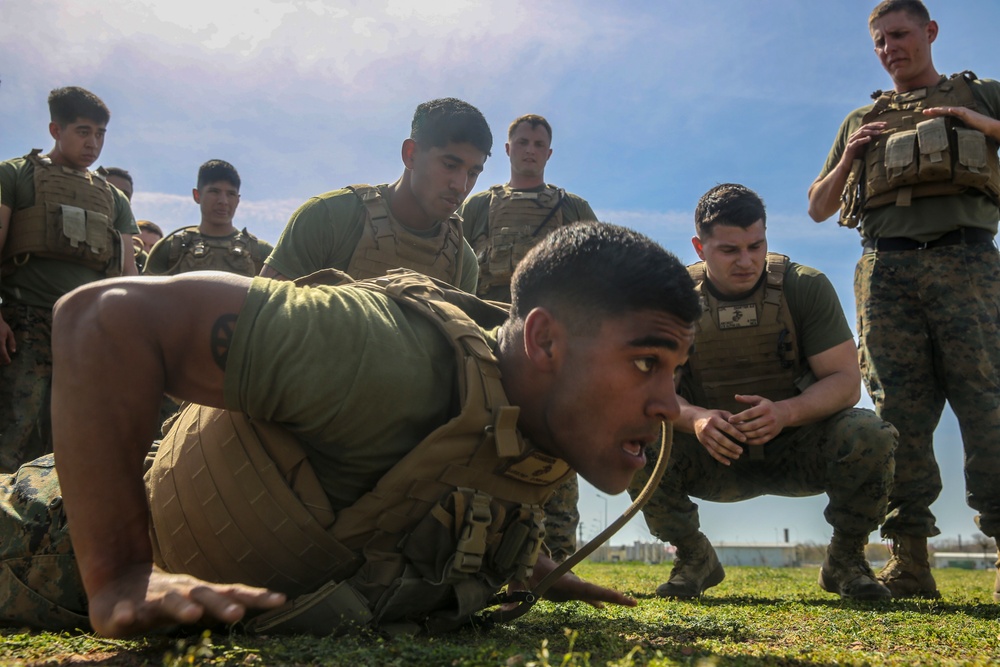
[
  {"x": 561, "y": 520},
  {"x": 929, "y": 327},
  {"x": 40, "y": 584},
  {"x": 25, "y": 388},
  {"x": 848, "y": 456}
]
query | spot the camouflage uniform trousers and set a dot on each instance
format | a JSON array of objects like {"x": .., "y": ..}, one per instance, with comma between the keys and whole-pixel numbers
[
  {"x": 929, "y": 326},
  {"x": 561, "y": 520},
  {"x": 40, "y": 584},
  {"x": 25, "y": 388},
  {"x": 848, "y": 456}
]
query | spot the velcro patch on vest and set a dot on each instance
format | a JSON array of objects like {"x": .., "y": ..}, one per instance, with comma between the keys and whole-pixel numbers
[
  {"x": 737, "y": 317},
  {"x": 537, "y": 468},
  {"x": 517, "y": 194}
]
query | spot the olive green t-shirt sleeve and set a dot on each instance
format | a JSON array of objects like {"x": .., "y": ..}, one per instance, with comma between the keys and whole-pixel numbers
[
  {"x": 262, "y": 250},
  {"x": 820, "y": 323},
  {"x": 469, "y": 280},
  {"x": 15, "y": 184},
  {"x": 579, "y": 209},
  {"x": 321, "y": 234},
  {"x": 851, "y": 123},
  {"x": 124, "y": 218},
  {"x": 475, "y": 216}
]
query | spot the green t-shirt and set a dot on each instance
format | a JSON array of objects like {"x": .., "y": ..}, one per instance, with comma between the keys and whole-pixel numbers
[
  {"x": 158, "y": 263},
  {"x": 927, "y": 218},
  {"x": 40, "y": 282},
  {"x": 358, "y": 378},
  {"x": 820, "y": 323},
  {"x": 475, "y": 212},
  {"x": 323, "y": 233}
]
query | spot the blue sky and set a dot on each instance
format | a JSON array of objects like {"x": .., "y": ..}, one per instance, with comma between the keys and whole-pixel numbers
[{"x": 652, "y": 103}]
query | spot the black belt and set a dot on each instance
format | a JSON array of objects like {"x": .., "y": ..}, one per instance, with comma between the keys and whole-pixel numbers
[{"x": 960, "y": 236}]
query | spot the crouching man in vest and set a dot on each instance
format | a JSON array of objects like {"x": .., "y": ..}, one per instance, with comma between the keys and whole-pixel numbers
[
  {"x": 766, "y": 404},
  {"x": 385, "y": 445}
]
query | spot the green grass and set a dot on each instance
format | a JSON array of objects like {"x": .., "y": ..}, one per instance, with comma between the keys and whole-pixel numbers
[{"x": 757, "y": 616}]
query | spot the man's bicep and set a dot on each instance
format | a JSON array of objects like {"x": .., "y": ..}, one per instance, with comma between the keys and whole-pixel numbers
[
  {"x": 842, "y": 358},
  {"x": 198, "y": 338}
]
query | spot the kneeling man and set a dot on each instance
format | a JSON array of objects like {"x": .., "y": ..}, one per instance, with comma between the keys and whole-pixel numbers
[{"x": 766, "y": 404}]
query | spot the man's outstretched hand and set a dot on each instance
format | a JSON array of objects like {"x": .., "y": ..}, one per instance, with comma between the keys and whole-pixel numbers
[{"x": 145, "y": 597}]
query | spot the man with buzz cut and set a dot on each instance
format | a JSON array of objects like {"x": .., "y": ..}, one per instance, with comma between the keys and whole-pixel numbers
[
  {"x": 502, "y": 224},
  {"x": 377, "y": 452},
  {"x": 61, "y": 226},
  {"x": 367, "y": 230},
  {"x": 215, "y": 243},
  {"x": 767, "y": 402},
  {"x": 917, "y": 174}
]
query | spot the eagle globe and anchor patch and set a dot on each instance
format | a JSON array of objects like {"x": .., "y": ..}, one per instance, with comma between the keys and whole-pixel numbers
[{"x": 738, "y": 317}]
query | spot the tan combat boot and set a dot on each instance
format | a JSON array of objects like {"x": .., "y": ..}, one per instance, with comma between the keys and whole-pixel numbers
[
  {"x": 846, "y": 571},
  {"x": 696, "y": 568},
  {"x": 908, "y": 573}
]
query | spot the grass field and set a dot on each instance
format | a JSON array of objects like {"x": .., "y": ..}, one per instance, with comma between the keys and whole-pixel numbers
[{"x": 757, "y": 616}]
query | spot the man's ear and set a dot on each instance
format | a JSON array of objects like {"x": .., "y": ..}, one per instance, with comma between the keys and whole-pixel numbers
[
  {"x": 409, "y": 153},
  {"x": 698, "y": 247},
  {"x": 196, "y": 195},
  {"x": 932, "y": 31},
  {"x": 543, "y": 336},
  {"x": 55, "y": 130}
]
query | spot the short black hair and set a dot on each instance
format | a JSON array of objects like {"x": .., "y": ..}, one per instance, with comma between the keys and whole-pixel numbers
[
  {"x": 117, "y": 171},
  {"x": 72, "y": 102},
  {"x": 589, "y": 271},
  {"x": 218, "y": 170},
  {"x": 439, "y": 122},
  {"x": 729, "y": 204},
  {"x": 149, "y": 226}
]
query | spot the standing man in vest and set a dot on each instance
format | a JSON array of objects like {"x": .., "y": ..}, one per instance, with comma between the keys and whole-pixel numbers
[
  {"x": 61, "y": 226},
  {"x": 431, "y": 465},
  {"x": 366, "y": 231},
  {"x": 917, "y": 173},
  {"x": 766, "y": 404},
  {"x": 215, "y": 244},
  {"x": 502, "y": 224}
]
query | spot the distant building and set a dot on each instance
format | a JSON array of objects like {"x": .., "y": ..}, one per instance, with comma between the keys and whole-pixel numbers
[
  {"x": 966, "y": 560},
  {"x": 759, "y": 555},
  {"x": 643, "y": 552}
]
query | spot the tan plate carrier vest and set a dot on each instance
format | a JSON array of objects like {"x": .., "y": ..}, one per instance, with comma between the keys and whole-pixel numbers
[
  {"x": 916, "y": 156},
  {"x": 517, "y": 222},
  {"x": 386, "y": 245},
  {"x": 71, "y": 220},
  {"x": 235, "y": 499},
  {"x": 191, "y": 251},
  {"x": 744, "y": 347}
]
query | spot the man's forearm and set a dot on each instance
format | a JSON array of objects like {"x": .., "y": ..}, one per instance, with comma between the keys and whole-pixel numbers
[
  {"x": 825, "y": 193},
  {"x": 826, "y": 397},
  {"x": 99, "y": 459}
]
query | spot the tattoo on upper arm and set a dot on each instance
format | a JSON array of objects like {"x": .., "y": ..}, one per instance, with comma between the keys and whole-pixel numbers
[{"x": 222, "y": 338}]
